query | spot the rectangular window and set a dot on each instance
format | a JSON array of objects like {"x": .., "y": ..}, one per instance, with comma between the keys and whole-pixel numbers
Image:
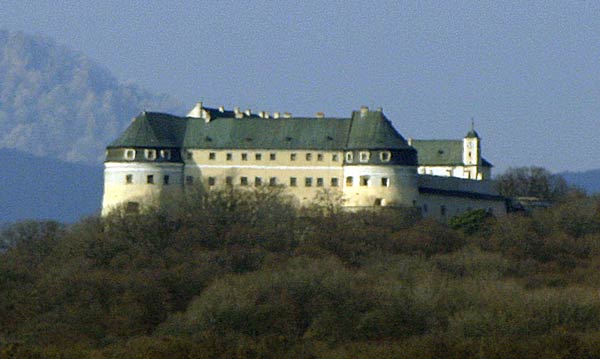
[
  {"x": 211, "y": 181},
  {"x": 335, "y": 182},
  {"x": 129, "y": 154},
  {"x": 229, "y": 180},
  {"x": 244, "y": 181},
  {"x": 189, "y": 155},
  {"x": 212, "y": 156},
  {"x": 364, "y": 156},
  {"x": 229, "y": 156},
  {"x": 349, "y": 181},
  {"x": 150, "y": 154},
  {"x": 150, "y": 179},
  {"x": 349, "y": 157},
  {"x": 244, "y": 157},
  {"x": 364, "y": 180},
  {"x": 309, "y": 156},
  {"x": 189, "y": 180},
  {"x": 385, "y": 156},
  {"x": 385, "y": 182},
  {"x": 129, "y": 179},
  {"x": 319, "y": 182},
  {"x": 272, "y": 156},
  {"x": 292, "y": 157},
  {"x": 307, "y": 181},
  {"x": 258, "y": 156},
  {"x": 293, "y": 181},
  {"x": 257, "y": 181},
  {"x": 273, "y": 181},
  {"x": 334, "y": 157},
  {"x": 166, "y": 154},
  {"x": 319, "y": 157},
  {"x": 166, "y": 180}
]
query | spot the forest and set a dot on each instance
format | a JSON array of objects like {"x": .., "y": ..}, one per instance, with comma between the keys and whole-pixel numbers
[{"x": 245, "y": 274}]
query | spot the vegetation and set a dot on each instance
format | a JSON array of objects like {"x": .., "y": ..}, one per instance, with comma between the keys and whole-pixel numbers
[
  {"x": 532, "y": 181},
  {"x": 230, "y": 274}
]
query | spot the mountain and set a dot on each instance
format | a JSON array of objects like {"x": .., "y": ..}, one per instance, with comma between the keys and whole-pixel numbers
[
  {"x": 57, "y": 103},
  {"x": 44, "y": 188},
  {"x": 587, "y": 180}
]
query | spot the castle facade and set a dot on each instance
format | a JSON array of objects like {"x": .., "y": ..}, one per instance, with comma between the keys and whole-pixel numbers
[{"x": 362, "y": 157}]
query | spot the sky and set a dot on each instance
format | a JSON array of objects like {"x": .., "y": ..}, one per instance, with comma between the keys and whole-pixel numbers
[{"x": 527, "y": 72}]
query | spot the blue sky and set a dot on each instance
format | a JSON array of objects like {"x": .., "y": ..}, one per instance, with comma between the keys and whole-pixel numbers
[{"x": 527, "y": 71}]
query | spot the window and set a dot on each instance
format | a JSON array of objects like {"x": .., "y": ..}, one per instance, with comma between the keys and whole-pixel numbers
[
  {"x": 319, "y": 157},
  {"x": 150, "y": 179},
  {"x": 385, "y": 182},
  {"x": 189, "y": 180},
  {"x": 130, "y": 155},
  {"x": 349, "y": 181},
  {"x": 364, "y": 180},
  {"x": 166, "y": 154},
  {"x": 244, "y": 157},
  {"x": 335, "y": 182},
  {"x": 319, "y": 182},
  {"x": 307, "y": 181},
  {"x": 132, "y": 207},
  {"x": 273, "y": 181},
  {"x": 349, "y": 156},
  {"x": 272, "y": 156},
  {"x": 334, "y": 157},
  {"x": 150, "y": 154},
  {"x": 212, "y": 181},
  {"x": 258, "y": 156},
  {"x": 189, "y": 155},
  {"x": 229, "y": 180},
  {"x": 380, "y": 202},
  {"x": 229, "y": 156},
  {"x": 212, "y": 156},
  {"x": 309, "y": 156},
  {"x": 385, "y": 156},
  {"x": 293, "y": 181},
  {"x": 364, "y": 156},
  {"x": 244, "y": 181},
  {"x": 166, "y": 180},
  {"x": 257, "y": 181},
  {"x": 292, "y": 156},
  {"x": 129, "y": 179}
]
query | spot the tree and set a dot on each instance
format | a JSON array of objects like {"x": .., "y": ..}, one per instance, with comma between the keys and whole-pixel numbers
[{"x": 531, "y": 182}]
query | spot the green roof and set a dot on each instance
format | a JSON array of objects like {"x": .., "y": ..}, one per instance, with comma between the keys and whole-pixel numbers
[
  {"x": 364, "y": 130},
  {"x": 441, "y": 153}
]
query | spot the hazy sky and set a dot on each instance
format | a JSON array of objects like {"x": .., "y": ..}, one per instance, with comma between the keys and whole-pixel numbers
[{"x": 527, "y": 71}]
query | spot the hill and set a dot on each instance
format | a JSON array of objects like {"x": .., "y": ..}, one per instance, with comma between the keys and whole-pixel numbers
[
  {"x": 42, "y": 188},
  {"x": 57, "y": 103},
  {"x": 587, "y": 180}
]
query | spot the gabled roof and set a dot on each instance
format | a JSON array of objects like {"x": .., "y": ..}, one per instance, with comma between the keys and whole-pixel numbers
[
  {"x": 441, "y": 153},
  {"x": 364, "y": 130}
]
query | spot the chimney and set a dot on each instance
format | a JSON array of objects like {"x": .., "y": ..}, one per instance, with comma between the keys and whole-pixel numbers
[
  {"x": 320, "y": 114},
  {"x": 287, "y": 114},
  {"x": 221, "y": 109},
  {"x": 196, "y": 112},
  {"x": 238, "y": 113},
  {"x": 248, "y": 112},
  {"x": 410, "y": 141},
  {"x": 275, "y": 114},
  {"x": 206, "y": 115},
  {"x": 379, "y": 109}
]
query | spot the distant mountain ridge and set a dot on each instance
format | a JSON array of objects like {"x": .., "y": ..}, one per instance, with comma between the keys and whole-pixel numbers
[
  {"x": 43, "y": 188},
  {"x": 57, "y": 103},
  {"x": 586, "y": 180}
]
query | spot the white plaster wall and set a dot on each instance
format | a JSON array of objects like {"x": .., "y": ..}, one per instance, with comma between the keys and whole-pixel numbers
[{"x": 401, "y": 191}]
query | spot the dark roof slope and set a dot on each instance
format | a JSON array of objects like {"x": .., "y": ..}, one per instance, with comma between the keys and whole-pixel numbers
[
  {"x": 441, "y": 153},
  {"x": 364, "y": 130},
  {"x": 371, "y": 129}
]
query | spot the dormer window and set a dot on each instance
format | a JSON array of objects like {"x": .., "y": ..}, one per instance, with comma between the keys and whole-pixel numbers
[
  {"x": 166, "y": 154},
  {"x": 385, "y": 156},
  {"x": 349, "y": 157},
  {"x": 364, "y": 156},
  {"x": 130, "y": 154},
  {"x": 150, "y": 154}
]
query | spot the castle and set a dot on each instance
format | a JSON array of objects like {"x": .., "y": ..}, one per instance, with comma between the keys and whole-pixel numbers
[{"x": 361, "y": 157}]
